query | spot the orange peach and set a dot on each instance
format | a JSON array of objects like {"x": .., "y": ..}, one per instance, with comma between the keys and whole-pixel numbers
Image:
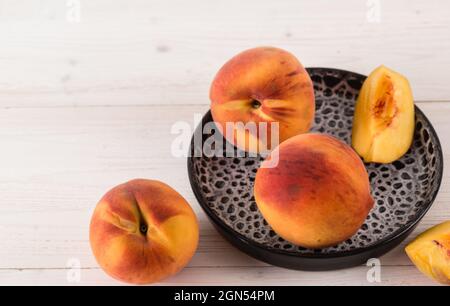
[
  {"x": 262, "y": 85},
  {"x": 319, "y": 193},
  {"x": 143, "y": 232}
]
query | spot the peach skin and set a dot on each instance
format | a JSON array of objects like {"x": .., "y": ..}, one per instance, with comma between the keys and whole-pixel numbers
[
  {"x": 262, "y": 85},
  {"x": 143, "y": 231},
  {"x": 318, "y": 195}
]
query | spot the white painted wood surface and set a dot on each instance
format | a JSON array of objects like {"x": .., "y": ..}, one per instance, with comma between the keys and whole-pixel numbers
[{"x": 85, "y": 106}]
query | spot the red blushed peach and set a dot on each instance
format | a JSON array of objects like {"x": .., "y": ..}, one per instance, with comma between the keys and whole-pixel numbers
[
  {"x": 143, "y": 232},
  {"x": 318, "y": 195},
  {"x": 262, "y": 85}
]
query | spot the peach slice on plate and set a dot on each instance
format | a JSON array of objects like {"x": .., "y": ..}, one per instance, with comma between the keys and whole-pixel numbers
[{"x": 383, "y": 125}]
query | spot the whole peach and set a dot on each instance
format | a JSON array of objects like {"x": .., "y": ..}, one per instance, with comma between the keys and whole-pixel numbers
[
  {"x": 143, "y": 231},
  {"x": 319, "y": 193},
  {"x": 262, "y": 85}
]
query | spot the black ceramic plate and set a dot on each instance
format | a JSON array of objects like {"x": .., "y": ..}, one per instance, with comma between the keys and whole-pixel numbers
[{"x": 403, "y": 190}]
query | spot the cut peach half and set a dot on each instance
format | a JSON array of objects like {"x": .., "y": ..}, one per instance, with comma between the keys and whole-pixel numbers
[{"x": 383, "y": 126}]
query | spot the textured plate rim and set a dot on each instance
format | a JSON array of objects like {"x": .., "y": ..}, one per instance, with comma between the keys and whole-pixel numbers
[{"x": 339, "y": 254}]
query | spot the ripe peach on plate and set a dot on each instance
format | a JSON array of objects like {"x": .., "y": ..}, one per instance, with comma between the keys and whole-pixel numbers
[
  {"x": 383, "y": 126},
  {"x": 262, "y": 85},
  {"x": 143, "y": 231},
  {"x": 318, "y": 195}
]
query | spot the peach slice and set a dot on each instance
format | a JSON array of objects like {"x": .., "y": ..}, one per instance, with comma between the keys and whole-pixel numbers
[
  {"x": 430, "y": 252},
  {"x": 383, "y": 126}
]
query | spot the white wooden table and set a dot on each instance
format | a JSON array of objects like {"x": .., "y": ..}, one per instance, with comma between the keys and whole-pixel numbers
[{"x": 87, "y": 103}]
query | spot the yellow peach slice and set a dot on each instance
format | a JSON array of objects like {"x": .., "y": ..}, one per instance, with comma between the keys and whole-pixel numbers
[
  {"x": 430, "y": 252},
  {"x": 383, "y": 126}
]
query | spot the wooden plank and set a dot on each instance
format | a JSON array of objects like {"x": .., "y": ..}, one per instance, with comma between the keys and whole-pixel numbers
[
  {"x": 220, "y": 276},
  {"x": 138, "y": 52}
]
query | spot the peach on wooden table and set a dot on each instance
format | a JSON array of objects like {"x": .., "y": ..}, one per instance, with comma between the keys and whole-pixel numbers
[{"x": 143, "y": 231}]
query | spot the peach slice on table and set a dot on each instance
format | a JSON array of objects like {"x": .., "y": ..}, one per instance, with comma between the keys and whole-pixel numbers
[
  {"x": 143, "y": 231},
  {"x": 430, "y": 252}
]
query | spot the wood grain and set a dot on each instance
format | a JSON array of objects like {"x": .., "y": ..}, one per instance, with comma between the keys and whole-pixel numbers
[
  {"x": 230, "y": 276},
  {"x": 166, "y": 52}
]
